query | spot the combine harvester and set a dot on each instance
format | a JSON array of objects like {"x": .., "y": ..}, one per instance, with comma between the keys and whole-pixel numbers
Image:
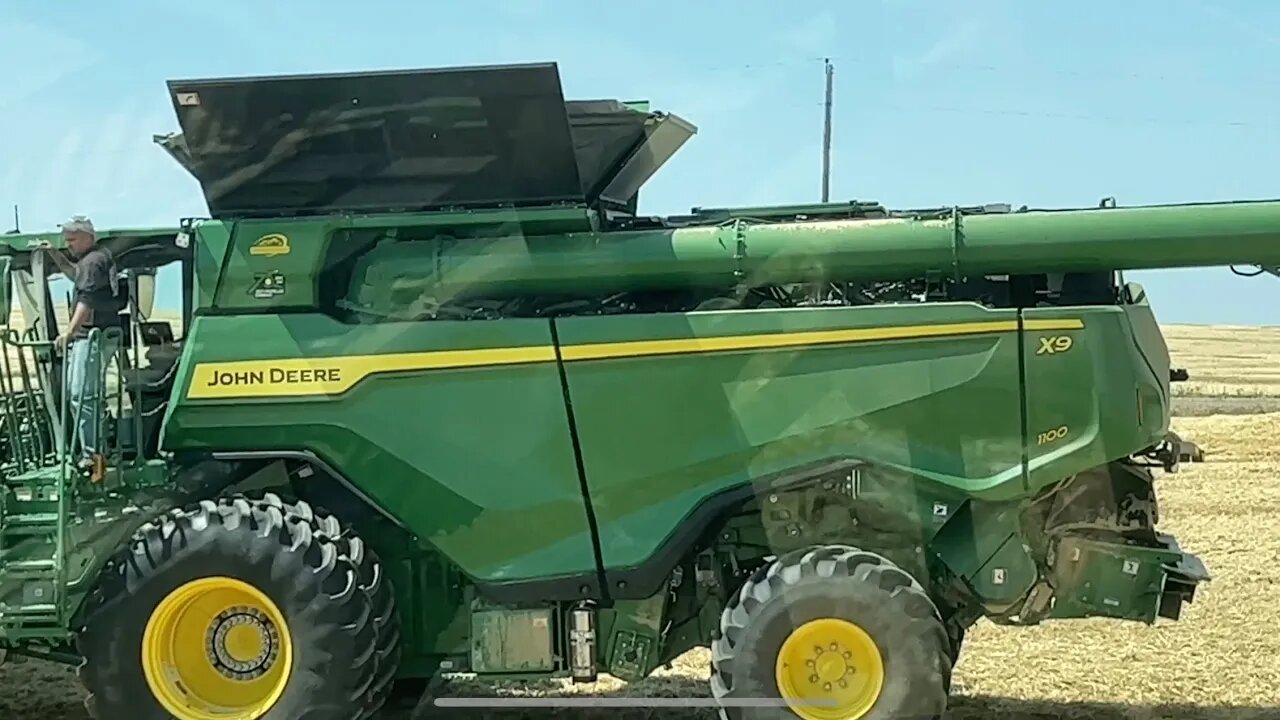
[{"x": 443, "y": 402}]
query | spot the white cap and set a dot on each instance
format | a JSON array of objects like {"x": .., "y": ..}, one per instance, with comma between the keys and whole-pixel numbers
[{"x": 78, "y": 223}]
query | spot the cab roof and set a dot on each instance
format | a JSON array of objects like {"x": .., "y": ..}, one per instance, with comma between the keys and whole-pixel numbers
[{"x": 132, "y": 247}]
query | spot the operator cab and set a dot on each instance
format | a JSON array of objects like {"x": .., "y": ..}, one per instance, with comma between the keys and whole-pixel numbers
[
  {"x": 151, "y": 380},
  {"x": 35, "y": 415}
]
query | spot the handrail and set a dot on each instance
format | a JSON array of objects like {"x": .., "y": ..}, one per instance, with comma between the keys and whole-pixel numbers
[
  {"x": 46, "y": 391},
  {"x": 33, "y": 398},
  {"x": 40, "y": 449},
  {"x": 12, "y": 422},
  {"x": 29, "y": 343},
  {"x": 28, "y": 417},
  {"x": 64, "y": 482}
]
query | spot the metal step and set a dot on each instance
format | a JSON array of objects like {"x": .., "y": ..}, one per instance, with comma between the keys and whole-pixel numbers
[
  {"x": 31, "y": 524},
  {"x": 26, "y": 567},
  {"x": 46, "y": 492},
  {"x": 31, "y": 584},
  {"x": 49, "y": 519},
  {"x": 26, "y": 612}
]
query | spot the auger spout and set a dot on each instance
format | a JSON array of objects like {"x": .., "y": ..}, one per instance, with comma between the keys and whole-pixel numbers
[
  {"x": 752, "y": 253},
  {"x": 1134, "y": 238}
]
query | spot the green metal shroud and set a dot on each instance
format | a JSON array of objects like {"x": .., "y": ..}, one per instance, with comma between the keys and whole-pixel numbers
[{"x": 673, "y": 408}]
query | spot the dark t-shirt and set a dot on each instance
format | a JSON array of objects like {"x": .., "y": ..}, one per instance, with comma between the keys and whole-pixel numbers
[{"x": 95, "y": 279}]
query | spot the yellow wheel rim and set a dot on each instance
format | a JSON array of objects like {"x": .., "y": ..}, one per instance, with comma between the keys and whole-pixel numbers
[
  {"x": 217, "y": 649},
  {"x": 829, "y": 669}
]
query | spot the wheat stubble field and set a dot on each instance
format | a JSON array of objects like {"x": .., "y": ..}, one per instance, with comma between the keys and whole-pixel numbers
[{"x": 1220, "y": 662}]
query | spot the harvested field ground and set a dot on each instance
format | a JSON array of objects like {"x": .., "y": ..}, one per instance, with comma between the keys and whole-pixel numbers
[
  {"x": 1220, "y": 662},
  {"x": 1234, "y": 370},
  {"x": 1226, "y": 360}
]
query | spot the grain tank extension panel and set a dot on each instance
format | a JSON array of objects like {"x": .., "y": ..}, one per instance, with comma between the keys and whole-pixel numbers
[{"x": 412, "y": 140}]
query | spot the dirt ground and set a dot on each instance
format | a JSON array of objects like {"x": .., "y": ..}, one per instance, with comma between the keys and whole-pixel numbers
[{"x": 1221, "y": 661}]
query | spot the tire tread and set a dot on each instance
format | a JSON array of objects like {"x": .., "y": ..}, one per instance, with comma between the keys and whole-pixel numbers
[
  {"x": 349, "y": 606},
  {"x": 829, "y": 562}
]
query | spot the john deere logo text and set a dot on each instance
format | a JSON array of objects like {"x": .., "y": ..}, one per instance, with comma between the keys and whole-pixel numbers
[
  {"x": 274, "y": 376},
  {"x": 270, "y": 245}
]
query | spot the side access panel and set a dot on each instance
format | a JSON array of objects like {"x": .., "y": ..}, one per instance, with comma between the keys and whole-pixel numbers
[
  {"x": 673, "y": 410},
  {"x": 1096, "y": 388},
  {"x": 458, "y": 430}
]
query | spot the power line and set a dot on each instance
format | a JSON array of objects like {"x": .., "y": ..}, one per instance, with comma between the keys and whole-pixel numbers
[
  {"x": 1162, "y": 121},
  {"x": 1166, "y": 121},
  {"x": 1028, "y": 69},
  {"x": 1094, "y": 75}
]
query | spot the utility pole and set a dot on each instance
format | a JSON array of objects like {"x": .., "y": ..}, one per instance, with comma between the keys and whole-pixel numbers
[{"x": 826, "y": 136}]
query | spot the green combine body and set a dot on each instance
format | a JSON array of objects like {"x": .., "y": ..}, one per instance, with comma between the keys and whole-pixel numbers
[{"x": 443, "y": 401}]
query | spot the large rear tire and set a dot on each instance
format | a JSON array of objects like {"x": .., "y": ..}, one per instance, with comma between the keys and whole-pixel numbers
[
  {"x": 235, "y": 609},
  {"x": 831, "y": 632}
]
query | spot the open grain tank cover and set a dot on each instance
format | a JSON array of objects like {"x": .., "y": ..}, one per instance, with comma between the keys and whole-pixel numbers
[
  {"x": 619, "y": 147},
  {"x": 381, "y": 141}
]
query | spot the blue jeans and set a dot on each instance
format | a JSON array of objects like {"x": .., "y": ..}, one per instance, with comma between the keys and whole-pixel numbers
[{"x": 85, "y": 386}]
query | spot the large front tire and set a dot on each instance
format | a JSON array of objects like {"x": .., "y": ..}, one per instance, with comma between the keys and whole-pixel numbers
[
  {"x": 831, "y": 632},
  {"x": 234, "y": 609}
]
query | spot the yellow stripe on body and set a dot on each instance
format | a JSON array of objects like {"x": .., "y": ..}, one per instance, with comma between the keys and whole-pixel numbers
[
  {"x": 1071, "y": 324},
  {"x": 678, "y": 346},
  {"x": 295, "y": 377}
]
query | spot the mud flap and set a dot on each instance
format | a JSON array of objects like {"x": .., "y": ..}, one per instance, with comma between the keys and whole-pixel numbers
[{"x": 1181, "y": 579}]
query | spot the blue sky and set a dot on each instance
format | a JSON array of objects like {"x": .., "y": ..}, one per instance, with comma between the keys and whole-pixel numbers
[{"x": 1044, "y": 104}]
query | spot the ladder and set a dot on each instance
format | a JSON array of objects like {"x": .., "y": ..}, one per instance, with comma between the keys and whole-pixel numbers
[
  {"x": 32, "y": 543},
  {"x": 35, "y": 474}
]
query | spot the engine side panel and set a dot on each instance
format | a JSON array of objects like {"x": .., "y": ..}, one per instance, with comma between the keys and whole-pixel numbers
[
  {"x": 1119, "y": 359},
  {"x": 673, "y": 409},
  {"x": 471, "y": 456}
]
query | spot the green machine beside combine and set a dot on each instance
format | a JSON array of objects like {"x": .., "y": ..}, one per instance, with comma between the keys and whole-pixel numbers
[{"x": 443, "y": 401}]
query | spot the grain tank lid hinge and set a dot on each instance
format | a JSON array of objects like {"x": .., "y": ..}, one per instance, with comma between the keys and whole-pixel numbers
[
  {"x": 496, "y": 136},
  {"x": 175, "y": 144}
]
